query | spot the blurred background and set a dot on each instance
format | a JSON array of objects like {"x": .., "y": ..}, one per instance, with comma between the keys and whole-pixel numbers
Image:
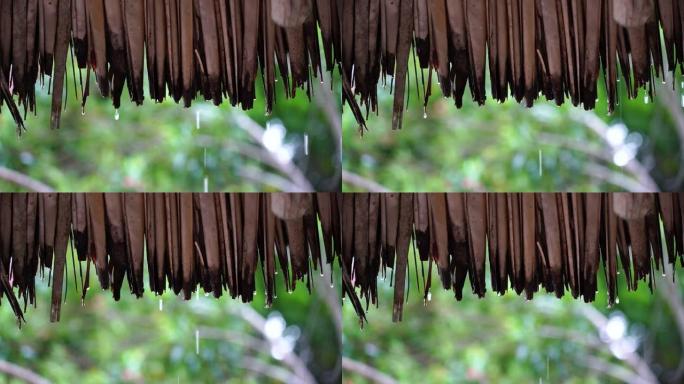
[
  {"x": 510, "y": 340},
  {"x": 165, "y": 147},
  {"x": 508, "y": 147},
  {"x": 168, "y": 340}
]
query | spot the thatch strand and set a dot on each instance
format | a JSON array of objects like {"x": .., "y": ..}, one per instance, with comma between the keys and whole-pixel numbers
[
  {"x": 214, "y": 241},
  {"x": 557, "y": 242},
  {"x": 530, "y": 48},
  {"x": 212, "y": 49}
]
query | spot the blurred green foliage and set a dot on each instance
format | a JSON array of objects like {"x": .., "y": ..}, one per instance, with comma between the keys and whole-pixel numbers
[
  {"x": 133, "y": 340},
  {"x": 496, "y": 147},
  {"x": 507, "y": 339},
  {"x": 156, "y": 147}
]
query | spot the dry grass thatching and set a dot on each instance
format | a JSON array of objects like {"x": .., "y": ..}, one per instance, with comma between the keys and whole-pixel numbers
[
  {"x": 213, "y": 49},
  {"x": 212, "y": 241},
  {"x": 553, "y": 241},
  {"x": 553, "y": 48}
]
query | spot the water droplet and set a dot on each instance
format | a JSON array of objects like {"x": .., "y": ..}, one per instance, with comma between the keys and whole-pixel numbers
[
  {"x": 663, "y": 275},
  {"x": 306, "y": 145},
  {"x": 646, "y": 100},
  {"x": 82, "y": 110},
  {"x": 429, "y": 296},
  {"x": 276, "y": 272},
  {"x": 197, "y": 341},
  {"x": 617, "y": 300},
  {"x": 682, "y": 100},
  {"x": 116, "y": 114},
  {"x": 197, "y": 119},
  {"x": 206, "y": 184},
  {"x": 161, "y": 305},
  {"x": 541, "y": 168},
  {"x": 332, "y": 285},
  {"x": 322, "y": 274}
]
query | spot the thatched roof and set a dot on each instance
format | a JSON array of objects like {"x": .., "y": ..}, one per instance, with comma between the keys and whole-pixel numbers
[
  {"x": 212, "y": 49},
  {"x": 557, "y": 242},
  {"x": 215, "y": 49},
  {"x": 213, "y": 241},
  {"x": 528, "y": 48}
]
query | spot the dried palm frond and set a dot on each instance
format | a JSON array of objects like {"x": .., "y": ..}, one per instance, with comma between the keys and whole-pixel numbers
[
  {"x": 550, "y": 241},
  {"x": 213, "y": 49},
  {"x": 532, "y": 48},
  {"x": 214, "y": 241}
]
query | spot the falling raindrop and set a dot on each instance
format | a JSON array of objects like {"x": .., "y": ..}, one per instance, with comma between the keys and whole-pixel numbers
[
  {"x": 161, "y": 304},
  {"x": 682, "y": 100},
  {"x": 541, "y": 169},
  {"x": 197, "y": 119},
  {"x": 206, "y": 184},
  {"x": 197, "y": 341},
  {"x": 306, "y": 145},
  {"x": 646, "y": 99},
  {"x": 116, "y": 114}
]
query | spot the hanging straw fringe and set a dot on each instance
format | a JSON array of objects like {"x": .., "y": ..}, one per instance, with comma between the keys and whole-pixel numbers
[
  {"x": 554, "y": 241},
  {"x": 213, "y": 49},
  {"x": 553, "y": 48},
  {"x": 214, "y": 241}
]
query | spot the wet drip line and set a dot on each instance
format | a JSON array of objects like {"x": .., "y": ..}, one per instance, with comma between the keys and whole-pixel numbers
[
  {"x": 527, "y": 242},
  {"x": 187, "y": 50},
  {"x": 216, "y": 242},
  {"x": 520, "y": 49}
]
